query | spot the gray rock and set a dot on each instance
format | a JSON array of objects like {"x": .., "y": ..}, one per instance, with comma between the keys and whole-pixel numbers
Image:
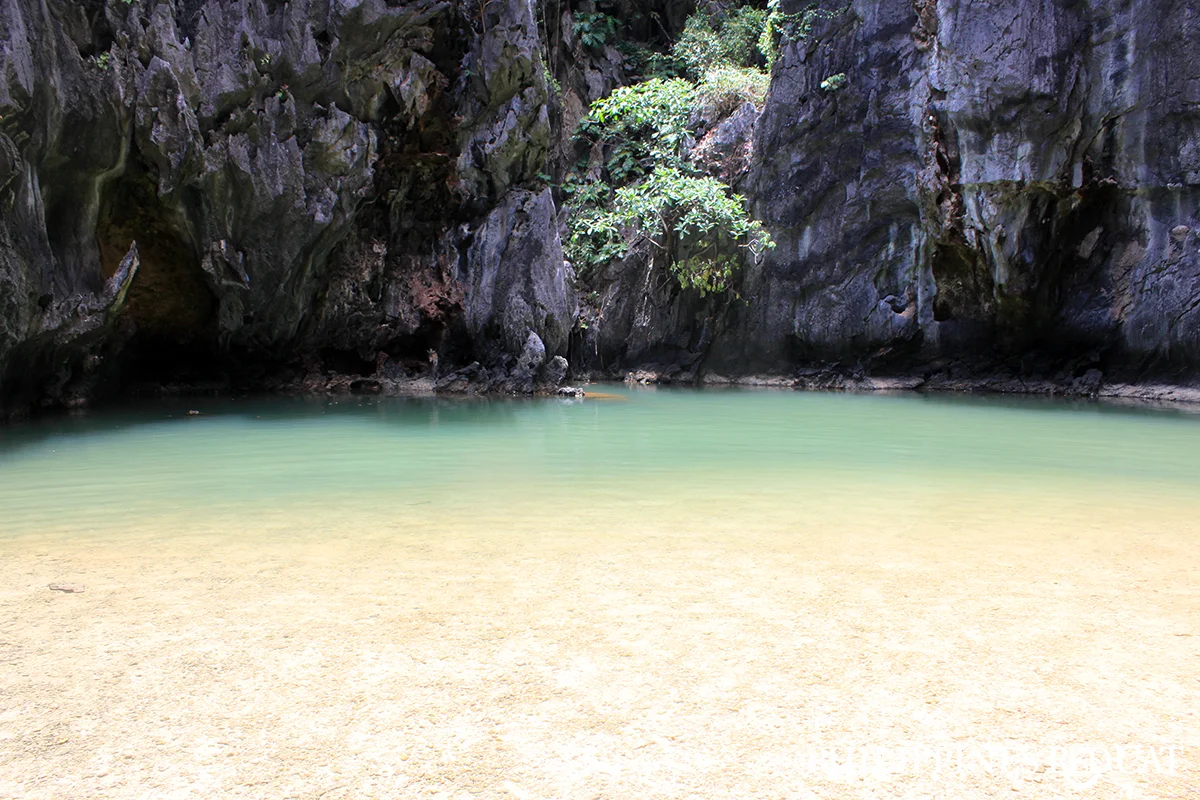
[
  {"x": 532, "y": 356},
  {"x": 517, "y": 283},
  {"x": 320, "y": 188},
  {"x": 309, "y": 184},
  {"x": 1007, "y": 181},
  {"x": 991, "y": 181},
  {"x": 471, "y": 378},
  {"x": 726, "y": 151},
  {"x": 553, "y": 373},
  {"x": 1089, "y": 383}
]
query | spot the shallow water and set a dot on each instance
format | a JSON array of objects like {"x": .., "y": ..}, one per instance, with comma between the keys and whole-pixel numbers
[
  {"x": 825, "y": 453},
  {"x": 658, "y": 593}
]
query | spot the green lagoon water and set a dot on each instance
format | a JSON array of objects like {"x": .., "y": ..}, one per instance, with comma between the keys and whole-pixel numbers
[
  {"x": 655, "y": 594},
  {"x": 656, "y": 454}
]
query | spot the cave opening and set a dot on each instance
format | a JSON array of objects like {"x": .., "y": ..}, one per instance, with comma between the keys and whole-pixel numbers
[{"x": 170, "y": 314}]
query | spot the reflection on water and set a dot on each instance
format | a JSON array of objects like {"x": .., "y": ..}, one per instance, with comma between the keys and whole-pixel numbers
[{"x": 715, "y": 448}]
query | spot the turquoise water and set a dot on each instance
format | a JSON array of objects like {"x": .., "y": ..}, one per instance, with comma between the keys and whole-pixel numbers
[
  {"x": 715, "y": 449},
  {"x": 654, "y": 594}
]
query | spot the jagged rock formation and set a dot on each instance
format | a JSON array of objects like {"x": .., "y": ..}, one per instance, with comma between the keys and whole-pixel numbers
[
  {"x": 993, "y": 179},
  {"x": 1007, "y": 188},
  {"x": 321, "y": 185},
  {"x": 356, "y": 188}
]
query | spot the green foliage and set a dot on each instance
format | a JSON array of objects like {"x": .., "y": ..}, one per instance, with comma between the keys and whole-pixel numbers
[
  {"x": 696, "y": 44},
  {"x": 594, "y": 239},
  {"x": 707, "y": 43},
  {"x": 551, "y": 82},
  {"x": 695, "y": 220},
  {"x": 645, "y": 193},
  {"x": 647, "y": 63},
  {"x": 782, "y": 27},
  {"x": 644, "y": 122},
  {"x": 104, "y": 60},
  {"x": 587, "y": 195},
  {"x": 693, "y": 207},
  {"x": 594, "y": 30},
  {"x": 834, "y": 82},
  {"x": 659, "y": 105},
  {"x": 694, "y": 223},
  {"x": 725, "y": 89},
  {"x": 740, "y": 34}
]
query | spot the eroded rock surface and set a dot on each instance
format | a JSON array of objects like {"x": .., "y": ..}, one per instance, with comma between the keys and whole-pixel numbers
[
  {"x": 352, "y": 195},
  {"x": 318, "y": 185},
  {"x": 1000, "y": 187}
]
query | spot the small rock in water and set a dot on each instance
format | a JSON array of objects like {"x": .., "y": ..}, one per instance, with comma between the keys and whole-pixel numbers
[
  {"x": 67, "y": 587},
  {"x": 569, "y": 391}
]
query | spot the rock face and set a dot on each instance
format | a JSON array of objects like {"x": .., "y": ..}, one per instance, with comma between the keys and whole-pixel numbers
[
  {"x": 993, "y": 178},
  {"x": 1009, "y": 185},
  {"x": 340, "y": 185},
  {"x": 264, "y": 193}
]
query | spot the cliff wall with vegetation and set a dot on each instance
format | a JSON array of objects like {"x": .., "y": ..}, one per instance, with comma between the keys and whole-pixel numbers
[{"x": 374, "y": 195}]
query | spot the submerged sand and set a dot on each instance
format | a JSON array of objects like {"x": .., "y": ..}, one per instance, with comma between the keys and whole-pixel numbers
[{"x": 656, "y": 651}]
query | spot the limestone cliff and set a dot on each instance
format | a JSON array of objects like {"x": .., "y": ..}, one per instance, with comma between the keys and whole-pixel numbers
[
  {"x": 313, "y": 187},
  {"x": 998, "y": 188},
  {"x": 354, "y": 194}
]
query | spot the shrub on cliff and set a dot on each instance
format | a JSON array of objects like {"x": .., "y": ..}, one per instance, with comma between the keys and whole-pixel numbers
[
  {"x": 780, "y": 27},
  {"x": 646, "y": 123},
  {"x": 724, "y": 90},
  {"x": 694, "y": 225},
  {"x": 731, "y": 40},
  {"x": 645, "y": 193}
]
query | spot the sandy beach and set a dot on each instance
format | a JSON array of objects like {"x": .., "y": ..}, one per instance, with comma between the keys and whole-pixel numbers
[{"x": 651, "y": 652}]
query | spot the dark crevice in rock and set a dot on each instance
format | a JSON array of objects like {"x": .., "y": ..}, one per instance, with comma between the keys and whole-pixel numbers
[
  {"x": 96, "y": 35},
  {"x": 171, "y": 298},
  {"x": 187, "y": 16},
  {"x": 170, "y": 315},
  {"x": 964, "y": 282},
  {"x": 346, "y": 362}
]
